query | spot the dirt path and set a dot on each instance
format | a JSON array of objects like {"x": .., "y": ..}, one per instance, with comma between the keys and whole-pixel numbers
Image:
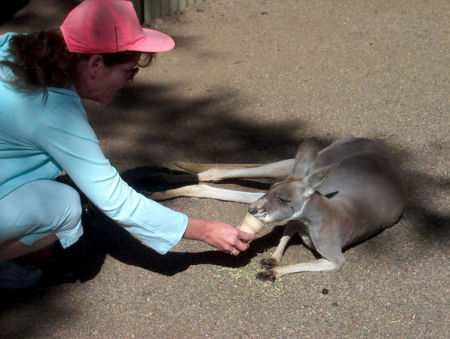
[{"x": 247, "y": 82}]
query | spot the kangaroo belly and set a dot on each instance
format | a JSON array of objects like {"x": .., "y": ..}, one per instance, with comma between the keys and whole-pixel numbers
[
  {"x": 365, "y": 213},
  {"x": 369, "y": 189}
]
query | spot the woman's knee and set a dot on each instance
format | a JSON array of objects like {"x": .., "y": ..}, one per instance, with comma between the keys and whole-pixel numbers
[
  {"x": 66, "y": 224},
  {"x": 72, "y": 208},
  {"x": 59, "y": 204}
]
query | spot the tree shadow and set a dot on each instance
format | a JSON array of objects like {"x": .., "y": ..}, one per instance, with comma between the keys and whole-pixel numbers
[
  {"x": 157, "y": 126},
  {"x": 20, "y": 15},
  {"x": 251, "y": 142},
  {"x": 9, "y": 8},
  {"x": 433, "y": 226},
  {"x": 165, "y": 127},
  {"x": 199, "y": 129}
]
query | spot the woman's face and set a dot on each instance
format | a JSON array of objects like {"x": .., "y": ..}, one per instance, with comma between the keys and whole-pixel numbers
[{"x": 99, "y": 82}]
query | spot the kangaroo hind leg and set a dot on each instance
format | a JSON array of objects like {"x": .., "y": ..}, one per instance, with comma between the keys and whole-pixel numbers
[
  {"x": 208, "y": 192},
  {"x": 279, "y": 169}
]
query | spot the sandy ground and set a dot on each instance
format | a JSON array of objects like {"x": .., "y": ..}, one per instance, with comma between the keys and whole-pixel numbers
[{"x": 247, "y": 82}]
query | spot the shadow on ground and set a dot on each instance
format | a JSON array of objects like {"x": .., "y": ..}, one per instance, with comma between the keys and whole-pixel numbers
[
  {"x": 84, "y": 260},
  {"x": 19, "y": 14},
  {"x": 431, "y": 225},
  {"x": 9, "y": 8},
  {"x": 200, "y": 128}
]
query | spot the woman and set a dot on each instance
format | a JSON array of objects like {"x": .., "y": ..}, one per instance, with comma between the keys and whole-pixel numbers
[{"x": 44, "y": 130}]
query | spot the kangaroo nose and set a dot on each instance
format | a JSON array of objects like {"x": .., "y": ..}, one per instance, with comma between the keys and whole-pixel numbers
[{"x": 252, "y": 210}]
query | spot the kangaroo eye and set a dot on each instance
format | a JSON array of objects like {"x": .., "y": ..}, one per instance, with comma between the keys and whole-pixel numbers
[{"x": 283, "y": 200}]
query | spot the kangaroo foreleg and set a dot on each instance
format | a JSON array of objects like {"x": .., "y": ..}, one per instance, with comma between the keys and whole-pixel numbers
[
  {"x": 275, "y": 258},
  {"x": 209, "y": 192},
  {"x": 312, "y": 266}
]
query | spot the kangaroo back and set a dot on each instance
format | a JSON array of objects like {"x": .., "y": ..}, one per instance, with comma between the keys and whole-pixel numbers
[{"x": 368, "y": 178}]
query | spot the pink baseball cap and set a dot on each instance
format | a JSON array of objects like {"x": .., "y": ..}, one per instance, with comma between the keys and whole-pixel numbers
[{"x": 109, "y": 26}]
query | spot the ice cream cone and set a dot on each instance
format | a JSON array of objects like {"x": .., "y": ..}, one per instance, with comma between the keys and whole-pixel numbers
[{"x": 251, "y": 225}]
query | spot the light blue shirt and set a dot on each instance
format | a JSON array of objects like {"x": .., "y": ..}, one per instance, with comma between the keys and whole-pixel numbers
[{"x": 41, "y": 137}]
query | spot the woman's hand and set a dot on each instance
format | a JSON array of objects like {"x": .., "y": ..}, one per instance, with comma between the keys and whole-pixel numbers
[{"x": 219, "y": 235}]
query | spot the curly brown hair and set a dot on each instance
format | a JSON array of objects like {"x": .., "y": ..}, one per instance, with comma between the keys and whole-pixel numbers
[{"x": 40, "y": 60}]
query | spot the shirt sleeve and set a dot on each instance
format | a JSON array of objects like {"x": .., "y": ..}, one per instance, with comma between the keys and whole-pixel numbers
[{"x": 66, "y": 135}]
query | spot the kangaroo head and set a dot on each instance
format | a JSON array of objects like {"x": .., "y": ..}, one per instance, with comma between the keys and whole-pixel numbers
[{"x": 286, "y": 200}]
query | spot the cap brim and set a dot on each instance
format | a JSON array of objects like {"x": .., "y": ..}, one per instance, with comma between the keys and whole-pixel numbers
[{"x": 154, "y": 41}]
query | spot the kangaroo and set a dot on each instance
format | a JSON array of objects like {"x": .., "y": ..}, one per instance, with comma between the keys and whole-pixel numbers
[{"x": 333, "y": 198}]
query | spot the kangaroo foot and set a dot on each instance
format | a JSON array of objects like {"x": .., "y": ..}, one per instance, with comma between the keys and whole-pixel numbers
[
  {"x": 267, "y": 264},
  {"x": 266, "y": 275}
]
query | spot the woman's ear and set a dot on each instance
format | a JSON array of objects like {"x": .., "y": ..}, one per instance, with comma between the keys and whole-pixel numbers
[{"x": 95, "y": 65}]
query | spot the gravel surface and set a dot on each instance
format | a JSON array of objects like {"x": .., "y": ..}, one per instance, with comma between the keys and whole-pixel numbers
[{"x": 247, "y": 82}]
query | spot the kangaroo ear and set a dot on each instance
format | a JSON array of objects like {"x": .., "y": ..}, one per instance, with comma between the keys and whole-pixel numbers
[
  {"x": 315, "y": 179},
  {"x": 305, "y": 157}
]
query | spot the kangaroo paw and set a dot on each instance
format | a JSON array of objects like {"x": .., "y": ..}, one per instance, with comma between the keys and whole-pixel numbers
[
  {"x": 268, "y": 264},
  {"x": 266, "y": 276}
]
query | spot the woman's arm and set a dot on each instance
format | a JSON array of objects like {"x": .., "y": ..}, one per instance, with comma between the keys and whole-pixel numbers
[{"x": 68, "y": 138}]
